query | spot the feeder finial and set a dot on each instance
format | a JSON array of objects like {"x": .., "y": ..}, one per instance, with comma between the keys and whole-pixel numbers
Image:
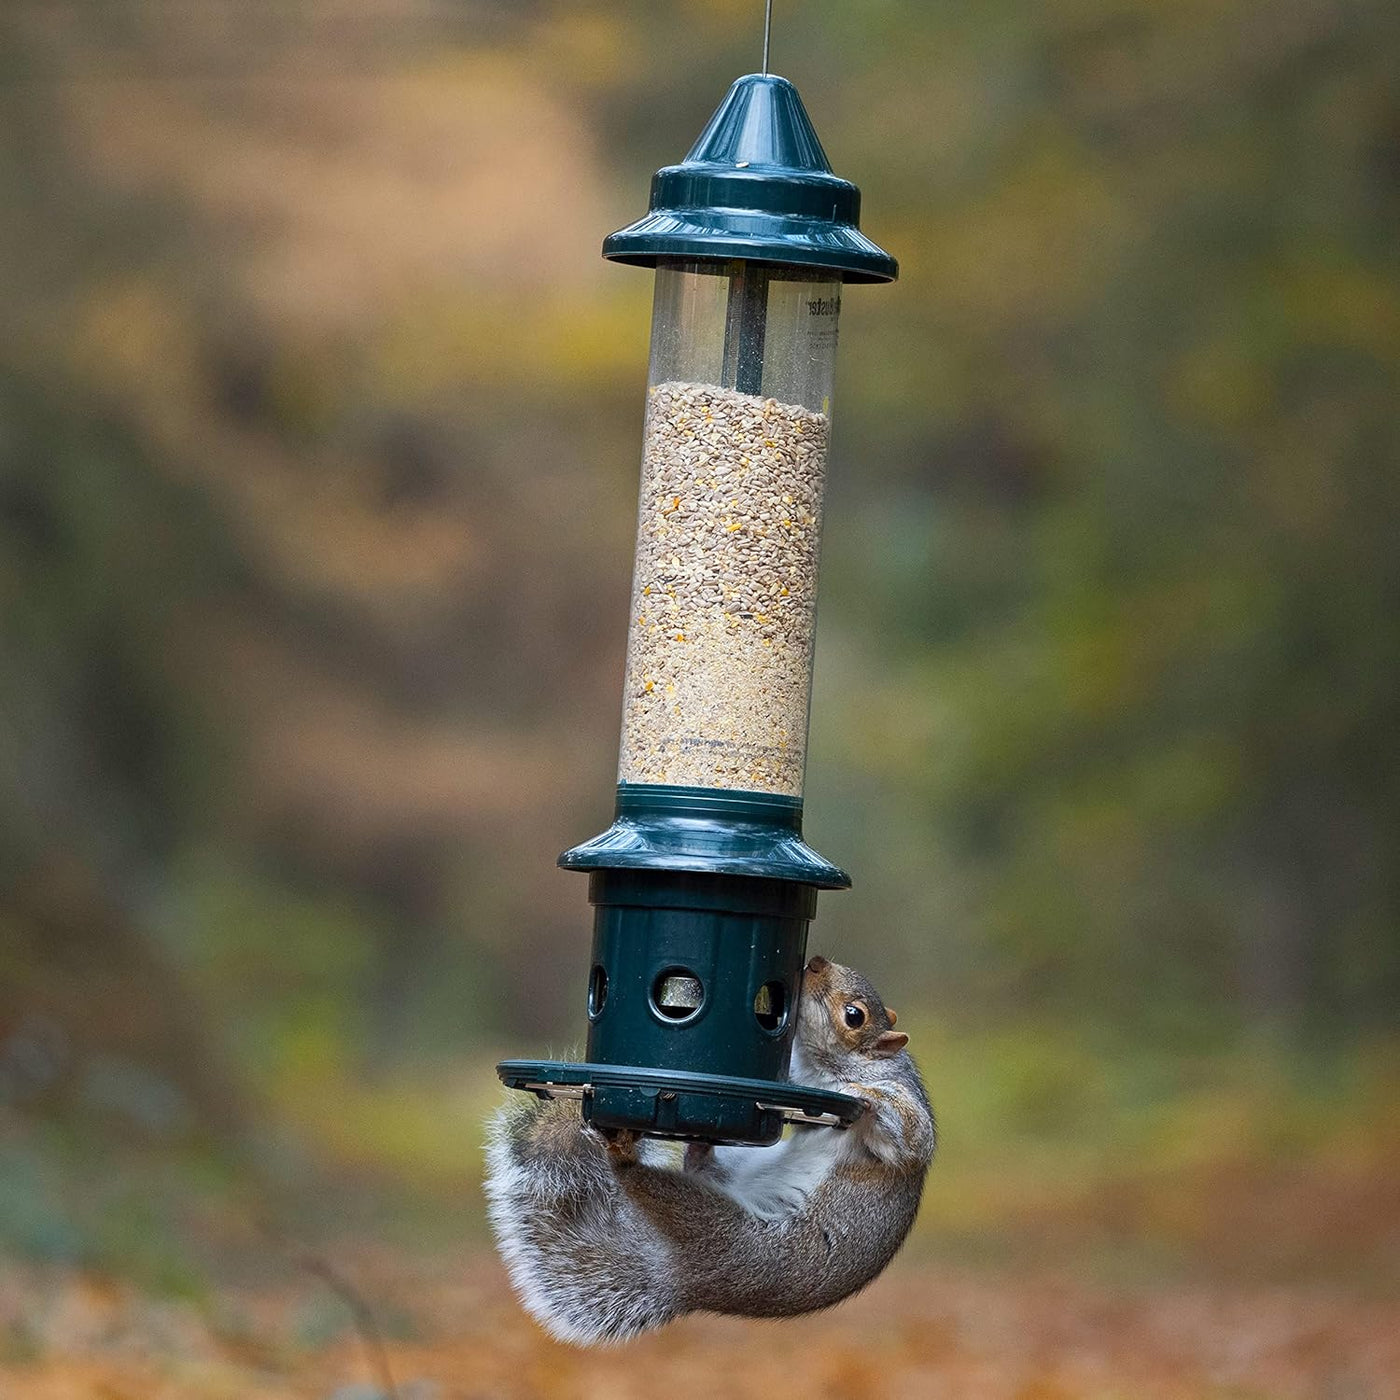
[{"x": 757, "y": 185}]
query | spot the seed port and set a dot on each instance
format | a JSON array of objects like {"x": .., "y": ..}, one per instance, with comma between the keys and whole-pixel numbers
[
  {"x": 597, "y": 991},
  {"x": 677, "y": 994},
  {"x": 770, "y": 1006}
]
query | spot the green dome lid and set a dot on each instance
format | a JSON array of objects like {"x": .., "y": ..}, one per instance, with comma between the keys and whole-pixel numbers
[{"x": 756, "y": 185}]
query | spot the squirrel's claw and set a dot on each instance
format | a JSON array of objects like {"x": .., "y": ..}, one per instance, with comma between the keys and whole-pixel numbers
[{"x": 622, "y": 1145}]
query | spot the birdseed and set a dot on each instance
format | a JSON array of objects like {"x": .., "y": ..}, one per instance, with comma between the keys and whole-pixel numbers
[{"x": 719, "y": 656}]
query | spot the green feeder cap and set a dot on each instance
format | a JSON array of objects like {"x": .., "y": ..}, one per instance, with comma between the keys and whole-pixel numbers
[{"x": 756, "y": 185}]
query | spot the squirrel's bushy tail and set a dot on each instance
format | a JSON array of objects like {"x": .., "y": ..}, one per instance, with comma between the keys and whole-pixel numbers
[{"x": 585, "y": 1272}]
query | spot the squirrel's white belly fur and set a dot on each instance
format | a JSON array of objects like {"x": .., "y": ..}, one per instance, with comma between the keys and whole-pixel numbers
[{"x": 771, "y": 1182}]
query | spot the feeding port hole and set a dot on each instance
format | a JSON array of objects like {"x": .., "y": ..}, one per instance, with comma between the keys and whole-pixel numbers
[
  {"x": 677, "y": 994},
  {"x": 597, "y": 992},
  {"x": 770, "y": 1006}
]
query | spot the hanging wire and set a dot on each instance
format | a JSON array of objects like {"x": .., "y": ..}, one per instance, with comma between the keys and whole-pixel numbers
[{"x": 767, "y": 31}]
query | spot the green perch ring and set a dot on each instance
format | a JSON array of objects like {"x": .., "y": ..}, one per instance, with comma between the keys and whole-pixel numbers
[{"x": 680, "y": 1105}]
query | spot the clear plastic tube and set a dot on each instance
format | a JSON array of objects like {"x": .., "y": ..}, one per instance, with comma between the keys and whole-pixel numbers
[{"x": 719, "y": 659}]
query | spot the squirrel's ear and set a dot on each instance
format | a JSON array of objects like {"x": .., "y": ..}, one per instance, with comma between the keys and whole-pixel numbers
[
  {"x": 891, "y": 1043},
  {"x": 893, "y": 1015}
]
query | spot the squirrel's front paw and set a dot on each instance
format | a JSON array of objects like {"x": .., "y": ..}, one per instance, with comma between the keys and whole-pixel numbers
[
  {"x": 861, "y": 1096},
  {"x": 622, "y": 1146},
  {"x": 699, "y": 1156}
]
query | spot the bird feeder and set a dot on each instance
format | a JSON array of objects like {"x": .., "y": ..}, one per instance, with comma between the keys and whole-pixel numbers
[{"x": 703, "y": 887}]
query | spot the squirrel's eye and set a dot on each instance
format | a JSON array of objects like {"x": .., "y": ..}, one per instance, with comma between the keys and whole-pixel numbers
[{"x": 854, "y": 1016}]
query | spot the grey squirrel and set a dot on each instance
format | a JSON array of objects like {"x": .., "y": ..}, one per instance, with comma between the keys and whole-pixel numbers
[{"x": 604, "y": 1240}]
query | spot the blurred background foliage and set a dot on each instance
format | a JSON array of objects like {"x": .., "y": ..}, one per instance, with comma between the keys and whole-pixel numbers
[{"x": 319, "y": 424}]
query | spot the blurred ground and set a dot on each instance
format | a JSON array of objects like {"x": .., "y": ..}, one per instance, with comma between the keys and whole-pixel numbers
[{"x": 921, "y": 1330}]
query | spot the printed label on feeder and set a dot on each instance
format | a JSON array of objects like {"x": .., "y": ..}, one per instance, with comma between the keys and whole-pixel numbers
[
  {"x": 821, "y": 326},
  {"x": 719, "y": 661}
]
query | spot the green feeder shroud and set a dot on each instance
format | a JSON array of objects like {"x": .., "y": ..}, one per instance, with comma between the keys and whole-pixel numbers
[{"x": 702, "y": 894}]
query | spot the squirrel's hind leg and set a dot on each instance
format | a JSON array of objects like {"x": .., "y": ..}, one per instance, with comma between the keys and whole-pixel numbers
[
  {"x": 713, "y": 1164},
  {"x": 542, "y": 1150},
  {"x": 569, "y": 1239}
]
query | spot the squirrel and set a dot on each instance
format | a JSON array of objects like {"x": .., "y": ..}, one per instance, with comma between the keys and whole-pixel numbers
[{"x": 604, "y": 1238}]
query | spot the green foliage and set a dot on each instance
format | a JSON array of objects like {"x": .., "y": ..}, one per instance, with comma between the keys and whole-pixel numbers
[{"x": 1062, "y": 1145}]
